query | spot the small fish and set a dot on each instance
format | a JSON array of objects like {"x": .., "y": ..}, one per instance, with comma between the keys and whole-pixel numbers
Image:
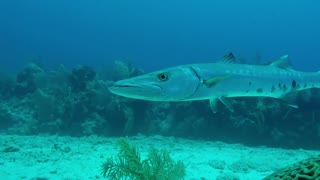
[{"x": 217, "y": 82}]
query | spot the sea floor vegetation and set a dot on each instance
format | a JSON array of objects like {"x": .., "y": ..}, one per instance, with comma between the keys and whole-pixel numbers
[{"x": 128, "y": 164}]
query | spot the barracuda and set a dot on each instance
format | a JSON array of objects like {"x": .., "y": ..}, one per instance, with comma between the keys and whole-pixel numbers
[{"x": 217, "y": 82}]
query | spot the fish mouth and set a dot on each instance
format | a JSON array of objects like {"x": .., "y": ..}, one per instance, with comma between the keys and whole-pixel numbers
[
  {"x": 137, "y": 90},
  {"x": 124, "y": 86},
  {"x": 117, "y": 87},
  {"x": 136, "y": 85}
]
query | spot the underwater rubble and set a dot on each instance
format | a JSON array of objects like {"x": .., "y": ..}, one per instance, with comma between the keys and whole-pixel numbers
[{"x": 76, "y": 102}]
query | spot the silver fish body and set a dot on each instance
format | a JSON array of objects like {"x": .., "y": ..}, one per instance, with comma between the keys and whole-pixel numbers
[
  {"x": 252, "y": 80},
  {"x": 217, "y": 81}
]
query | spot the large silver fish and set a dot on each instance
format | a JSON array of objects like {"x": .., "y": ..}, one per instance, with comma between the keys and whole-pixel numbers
[{"x": 217, "y": 81}]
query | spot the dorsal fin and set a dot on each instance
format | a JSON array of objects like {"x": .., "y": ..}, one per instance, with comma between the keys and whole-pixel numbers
[
  {"x": 282, "y": 62},
  {"x": 227, "y": 58}
]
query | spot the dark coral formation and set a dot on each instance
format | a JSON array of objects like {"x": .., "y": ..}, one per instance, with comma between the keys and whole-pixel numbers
[
  {"x": 80, "y": 77},
  {"x": 25, "y": 80},
  {"x": 305, "y": 169},
  {"x": 76, "y": 102}
]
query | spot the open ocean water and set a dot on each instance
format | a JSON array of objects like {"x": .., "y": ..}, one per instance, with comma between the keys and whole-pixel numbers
[{"x": 59, "y": 121}]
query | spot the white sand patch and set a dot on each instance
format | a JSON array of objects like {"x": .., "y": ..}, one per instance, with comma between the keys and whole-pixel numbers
[{"x": 56, "y": 157}]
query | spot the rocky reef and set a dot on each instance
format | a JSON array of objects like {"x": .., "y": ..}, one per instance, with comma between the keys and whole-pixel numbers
[
  {"x": 76, "y": 102},
  {"x": 305, "y": 169}
]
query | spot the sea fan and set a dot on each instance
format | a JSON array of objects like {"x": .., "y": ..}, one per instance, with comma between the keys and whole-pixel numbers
[{"x": 128, "y": 165}]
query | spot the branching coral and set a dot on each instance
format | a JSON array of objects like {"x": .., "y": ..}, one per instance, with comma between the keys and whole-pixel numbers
[{"x": 129, "y": 165}]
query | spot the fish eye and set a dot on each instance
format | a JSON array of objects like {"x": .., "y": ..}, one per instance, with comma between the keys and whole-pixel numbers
[{"x": 162, "y": 76}]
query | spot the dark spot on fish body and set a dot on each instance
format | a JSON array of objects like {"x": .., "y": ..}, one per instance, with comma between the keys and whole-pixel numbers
[
  {"x": 250, "y": 83},
  {"x": 247, "y": 91},
  {"x": 273, "y": 89},
  {"x": 260, "y": 90},
  {"x": 279, "y": 86},
  {"x": 293, "y": 84},
  {"x": 284, "y": 88}
]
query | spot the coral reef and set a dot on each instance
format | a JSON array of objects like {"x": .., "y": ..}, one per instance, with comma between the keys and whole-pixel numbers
[
  {"x": 305, "y": 169},
  {"x": 7, "y": 83},
  {"x": 76, "y": 102},
  {"x": 25, "y": 80},
  {"x": 123, "y": 70},
  {"x": 128, "y": 165},
  {"x": 79, "y": 78}
]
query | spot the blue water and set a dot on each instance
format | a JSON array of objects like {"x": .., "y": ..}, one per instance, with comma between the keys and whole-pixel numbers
[
  {"x": 152, "y": 34},
  {"x": 156, "y": 34}
]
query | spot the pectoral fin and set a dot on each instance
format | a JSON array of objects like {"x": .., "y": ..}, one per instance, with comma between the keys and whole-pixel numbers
[{"x": 215, "y": 80}]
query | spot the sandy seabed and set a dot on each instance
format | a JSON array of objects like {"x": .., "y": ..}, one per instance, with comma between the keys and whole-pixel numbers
[{"x": 69, "y": 158}]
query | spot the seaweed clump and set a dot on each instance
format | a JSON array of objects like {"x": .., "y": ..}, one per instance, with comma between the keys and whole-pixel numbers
[
  {"x": 128, "y": 165},
  {"x": 305, "y": 169}
]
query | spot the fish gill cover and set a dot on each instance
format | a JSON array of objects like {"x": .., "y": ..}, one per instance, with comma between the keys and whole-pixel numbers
[{"x": 77, "y": 49}]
